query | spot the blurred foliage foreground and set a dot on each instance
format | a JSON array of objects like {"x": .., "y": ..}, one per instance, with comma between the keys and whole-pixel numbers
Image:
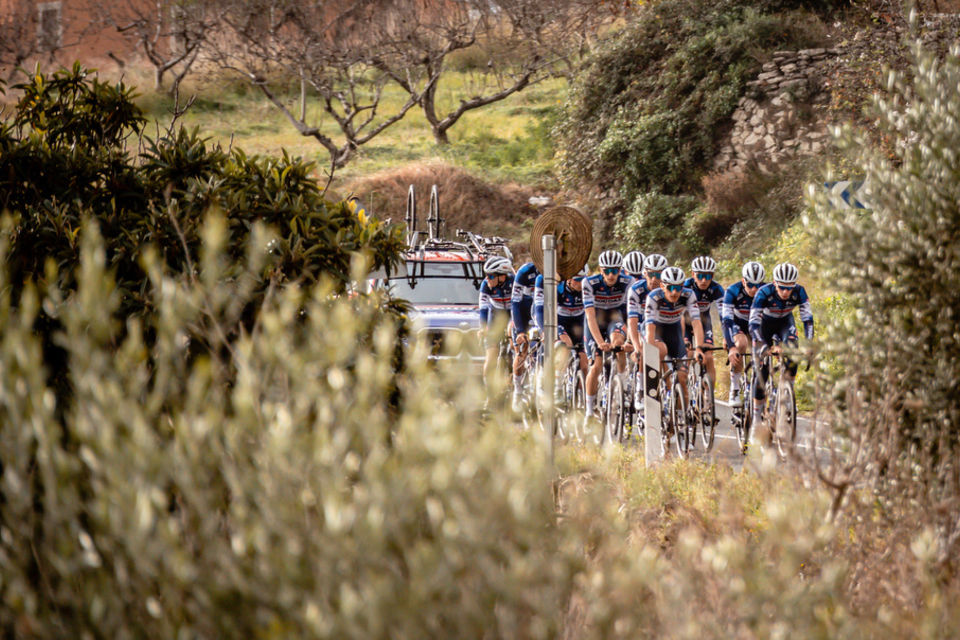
[
  {"x": 173, "y": 499},
  {"x": 222, "y": 452}
]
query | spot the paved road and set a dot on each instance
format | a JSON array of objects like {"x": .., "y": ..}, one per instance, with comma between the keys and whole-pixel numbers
[{"x": 725, "y": 447}]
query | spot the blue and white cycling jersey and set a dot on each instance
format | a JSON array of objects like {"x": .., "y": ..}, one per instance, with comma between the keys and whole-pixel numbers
[
  {"x": 660, "y": 311},
  {"x": 770, "y": 311},
  {"x": 569, "y": 302},
  {"x": 637, "y": 299},
  {"x": 494, "y": 299},
  {"x": 706, "y": 298},
  {"x": 521, "y": 302},
  {"x": 606, "y": 299},
  {"x": 735, "y": 312}
]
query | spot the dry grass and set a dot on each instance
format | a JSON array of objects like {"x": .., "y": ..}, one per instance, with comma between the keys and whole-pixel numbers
[{"x": 737, "y": 554}]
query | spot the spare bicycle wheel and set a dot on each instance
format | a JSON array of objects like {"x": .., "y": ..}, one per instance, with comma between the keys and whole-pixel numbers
[{"x": 573, "y": 231}]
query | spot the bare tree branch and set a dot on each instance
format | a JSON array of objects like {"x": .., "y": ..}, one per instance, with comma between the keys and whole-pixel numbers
[
  {"x": 170, "y": 33},
  {"x": 522, "y": 42},
  {"x": 322, "y": 48}
]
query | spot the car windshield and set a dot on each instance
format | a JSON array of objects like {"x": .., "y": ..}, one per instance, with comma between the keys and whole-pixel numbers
[{"x": 444, "y": 284}]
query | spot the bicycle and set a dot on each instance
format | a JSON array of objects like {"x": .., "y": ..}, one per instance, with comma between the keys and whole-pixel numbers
[
  {"x": 700, "y": 394},
  {"x": 607, "y": 374},
  {"x": 571, "y": 396},
  {"x": 676, "y": 421},
  {"x": 624, "y": 420},
  {"x": 532, "y": 377},
  {"x": 741, "y": 415},
  {"x": 781, "y": 403}
]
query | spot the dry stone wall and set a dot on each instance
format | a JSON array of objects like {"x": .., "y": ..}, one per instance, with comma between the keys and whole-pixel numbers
[{"x": 778, "y": 118}]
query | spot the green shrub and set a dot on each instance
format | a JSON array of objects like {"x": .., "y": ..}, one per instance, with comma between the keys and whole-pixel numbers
[
  {"x": 73, "y": 150},
  {"x": 899, "y": 263},
  {"x": 659, "y": 223},
  {"x": 650, "y": 106}
]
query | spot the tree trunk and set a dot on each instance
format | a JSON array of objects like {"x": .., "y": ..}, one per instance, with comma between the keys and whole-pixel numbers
[{"x": 429, "y": 105}]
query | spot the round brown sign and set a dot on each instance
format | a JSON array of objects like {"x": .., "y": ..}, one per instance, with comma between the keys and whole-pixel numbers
[{"x": 573, "y": 231}]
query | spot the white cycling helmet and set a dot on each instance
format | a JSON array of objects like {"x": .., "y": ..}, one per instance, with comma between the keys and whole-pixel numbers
[
  {"x": 633, "y": 263},
  {"x": 611, "y": 259},
  {"x": 753, "y": 272},
  {"x": 584, "y": 272},
  {"x": 655, "y": 262},
  {"x": 497, "y": 265},
  {"x": 672, "y": 275},
  {"x": 703, "y": 264},
  {"x": 785, "y": 273}
]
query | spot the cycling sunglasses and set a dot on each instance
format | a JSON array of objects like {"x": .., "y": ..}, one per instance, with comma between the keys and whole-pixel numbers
[
  {"x": 653, "y": 274},
  {"x": 753, "y": 285},
  {"x": 785, "y": 287},
  {"x": 704, "y": 276},
  {"x": 674, "y": 287},
  {"x": 609, "y": 271}
]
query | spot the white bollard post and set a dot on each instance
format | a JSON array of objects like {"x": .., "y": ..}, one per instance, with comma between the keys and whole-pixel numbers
[
  {"x": 652, "y": 441},
  {"x": 549, "y": 246}
]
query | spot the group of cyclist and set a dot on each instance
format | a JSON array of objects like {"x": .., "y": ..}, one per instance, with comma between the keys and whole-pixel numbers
[{"x": 638, "y": 298}]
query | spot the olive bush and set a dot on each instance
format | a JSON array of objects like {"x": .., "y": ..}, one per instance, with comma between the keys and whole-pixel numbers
[
  {"x": 177, "y": 499},
  {"x": 897, "y": 401},
  {"x": 269, "y": 492}
]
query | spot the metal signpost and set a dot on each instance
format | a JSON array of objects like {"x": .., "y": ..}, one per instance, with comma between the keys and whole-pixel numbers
[
  {"x": 548, "y": 243},
  {"x": 560, "y": 245},
  {"x": 653, "y": 442}
]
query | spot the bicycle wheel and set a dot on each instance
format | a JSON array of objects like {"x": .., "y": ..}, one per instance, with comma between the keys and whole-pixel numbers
[
  {"x": 532, "y": 386},
  {"x": 666, "y": 427},
  {"x": 745, "y": 415},
  {"x": 599, "y": 429},
  {"x": 616, "y": 411},
  {"x": 739, "y": 427},
  {"x": 680, "y": 423},
  {"x": 786, "y": 419},
  {"x": 638, "y": 405},
  {"x": 706, "y": 411},
  {"x": 565, "y": 401},
  {"x": 580, "y": 407}
]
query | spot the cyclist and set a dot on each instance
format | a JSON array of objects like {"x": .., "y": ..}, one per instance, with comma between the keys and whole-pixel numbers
[
  {"x": 495, "y": 294},
  {"x": 653, "y": 265},
  {"x": 735, "y": 319},
  {"x": 569, "y": 311},
  {"x": 707, "y": 291},
  {"x": 521, "y": 306},
  {"x": 772, "y": 323},
  {"x": 663, "y": 320},
  {"x": 633, "y": 265},
  {"x": 605, "y": 310}
]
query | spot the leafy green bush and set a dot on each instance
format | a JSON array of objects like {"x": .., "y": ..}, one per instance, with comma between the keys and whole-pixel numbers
[
  {"x": 73, "y": 150},
  {"x": 650, "y": 106},
  {"x": 899, "y": 262},
  {"x": 662, "y": 224}
]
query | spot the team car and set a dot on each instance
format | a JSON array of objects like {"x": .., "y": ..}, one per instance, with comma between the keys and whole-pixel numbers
[{"x": 441, "y": 279}]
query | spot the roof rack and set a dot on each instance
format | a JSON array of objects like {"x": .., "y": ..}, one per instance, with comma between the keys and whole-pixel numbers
[{"x": 478, "y": 247}]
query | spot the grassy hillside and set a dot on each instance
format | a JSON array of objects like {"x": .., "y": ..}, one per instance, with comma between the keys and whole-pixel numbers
[{"x": 508, "y": 140}]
